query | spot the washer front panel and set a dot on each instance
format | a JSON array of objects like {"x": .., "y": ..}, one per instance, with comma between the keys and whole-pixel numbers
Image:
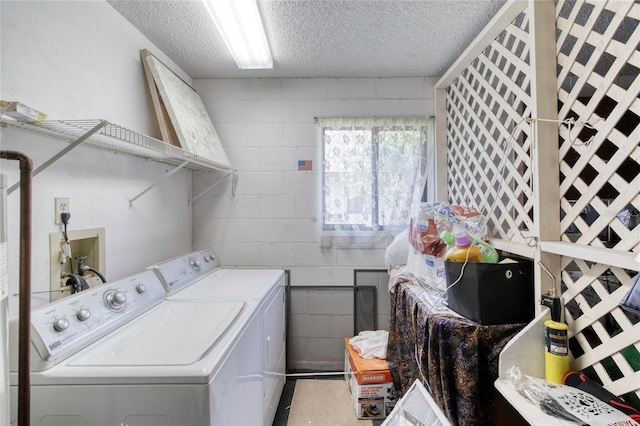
[{"x": 62, "y": 328}]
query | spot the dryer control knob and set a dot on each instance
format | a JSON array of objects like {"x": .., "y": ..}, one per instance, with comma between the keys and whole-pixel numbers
[
  {"x": 116, "y": 300},
  {"x": 141, "y": 288},
  {"x": 61, "y": 324},
  {"x": 83, "y": 314}
]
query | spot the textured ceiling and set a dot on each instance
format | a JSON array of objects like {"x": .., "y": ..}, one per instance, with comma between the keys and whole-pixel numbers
[{"x": 320, "y": 38}]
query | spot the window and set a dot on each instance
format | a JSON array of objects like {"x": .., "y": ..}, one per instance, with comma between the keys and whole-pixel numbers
[{"x": 373, "y": 169}]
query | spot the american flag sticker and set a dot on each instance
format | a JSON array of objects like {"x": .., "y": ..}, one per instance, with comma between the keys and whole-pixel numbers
[{"x": 304, "y": 165}]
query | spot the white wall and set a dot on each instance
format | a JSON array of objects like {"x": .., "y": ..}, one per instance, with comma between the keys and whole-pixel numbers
[
  {"x": 81, "y": 60},
  {"x": 267, "y": 125}
]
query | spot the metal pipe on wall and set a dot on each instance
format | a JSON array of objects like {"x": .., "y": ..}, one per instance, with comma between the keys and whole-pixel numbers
[
  {"x": 24, "y": 324},
  {"x": 4, "y": 308}
]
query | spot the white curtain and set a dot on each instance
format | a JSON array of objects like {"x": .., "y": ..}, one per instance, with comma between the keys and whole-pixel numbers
[{"x": 373, "y": 169}]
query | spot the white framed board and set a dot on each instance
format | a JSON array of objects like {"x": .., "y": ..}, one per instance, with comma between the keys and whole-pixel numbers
[{"x": 187, "y": 113}]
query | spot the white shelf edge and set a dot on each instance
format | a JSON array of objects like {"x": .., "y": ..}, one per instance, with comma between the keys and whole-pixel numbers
[
  {"x": 528, "y": 410},
  {"x": 115, "y": 138},
  {"x": 526, "y": 351},
  {"x": 613, "y": 257}
]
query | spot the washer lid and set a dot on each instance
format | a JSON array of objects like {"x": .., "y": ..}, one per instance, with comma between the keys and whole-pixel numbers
[{"x": 174, "y": 333}]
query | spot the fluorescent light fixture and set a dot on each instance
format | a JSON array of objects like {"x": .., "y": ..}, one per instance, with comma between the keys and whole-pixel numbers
[{"x": 240, "y": 26}]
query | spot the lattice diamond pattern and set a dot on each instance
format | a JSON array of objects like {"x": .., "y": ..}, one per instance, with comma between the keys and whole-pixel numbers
[
  {"x": 597, "y": 76},
  {"x": 598, "y": 64},
  {"x": 489, "y": 145}
]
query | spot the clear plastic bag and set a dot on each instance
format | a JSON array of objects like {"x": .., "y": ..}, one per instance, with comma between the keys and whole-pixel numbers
[
  {"x": 566, "y": 402},
  {"x": 631, "y": 301},
  {"x": 538, "y": 395}
]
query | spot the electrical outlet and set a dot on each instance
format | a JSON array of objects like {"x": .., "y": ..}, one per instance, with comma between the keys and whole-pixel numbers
[{"x": 62, "y": 206}]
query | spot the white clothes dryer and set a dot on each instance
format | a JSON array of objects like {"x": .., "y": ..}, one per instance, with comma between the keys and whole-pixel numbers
[{"x": 199, "y": 276}]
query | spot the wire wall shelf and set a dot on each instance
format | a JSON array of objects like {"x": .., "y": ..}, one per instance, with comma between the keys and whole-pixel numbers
[{"x": 112, "y": 137}]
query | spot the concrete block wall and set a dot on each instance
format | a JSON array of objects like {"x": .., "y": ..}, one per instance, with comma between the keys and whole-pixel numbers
[
  {"x": 320, "y": 319},
  {"x": 380, "y": 280},
  {"x": 271, "y": 216},
  {"x": 77, "y": 60},
  {"x": 319, "y": 322}
]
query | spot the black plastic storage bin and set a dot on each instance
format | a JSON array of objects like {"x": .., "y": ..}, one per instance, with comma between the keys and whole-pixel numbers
[{"x": 492, "y": 293}]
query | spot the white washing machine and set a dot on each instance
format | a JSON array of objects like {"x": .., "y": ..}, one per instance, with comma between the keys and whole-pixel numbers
[{"x": 128, "y": 353}]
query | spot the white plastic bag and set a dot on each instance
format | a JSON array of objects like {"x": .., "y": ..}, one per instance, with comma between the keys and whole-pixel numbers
[
  {"x": 398, "y": 251},
  {"x": 371, "y": 344}
]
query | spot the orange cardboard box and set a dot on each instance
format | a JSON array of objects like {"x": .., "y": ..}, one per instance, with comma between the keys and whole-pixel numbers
[
  {"x": 367, "y": 371},
  {"x": 370, "y": 384}
]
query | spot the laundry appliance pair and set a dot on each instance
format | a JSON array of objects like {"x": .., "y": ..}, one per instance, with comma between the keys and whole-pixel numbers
[{"x": 186, "y": 342}]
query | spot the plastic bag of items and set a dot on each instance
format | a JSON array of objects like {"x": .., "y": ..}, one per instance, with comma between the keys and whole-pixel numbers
[
  {"x": 371, "y": 344},
  {"x": 566, "y": 402},
  {"x": 425, "y": 261}
]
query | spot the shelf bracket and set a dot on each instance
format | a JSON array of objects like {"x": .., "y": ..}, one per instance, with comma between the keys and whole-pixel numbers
[
  {"x": 194, "y": 198},
  {"x": 171, "y": 173},
  {"x": 61, "y": 153}
]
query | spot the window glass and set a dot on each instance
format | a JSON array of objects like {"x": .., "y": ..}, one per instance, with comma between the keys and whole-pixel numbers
[{"x": 373, "y": 169}]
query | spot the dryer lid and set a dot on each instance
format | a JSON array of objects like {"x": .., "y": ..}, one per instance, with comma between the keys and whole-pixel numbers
[
  {"x": 232, "y": 284},
  {"x": 173, "y": 333}
]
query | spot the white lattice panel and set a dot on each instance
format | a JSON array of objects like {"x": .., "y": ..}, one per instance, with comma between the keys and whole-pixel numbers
[
  {"x": 598, "y": 85},
  {"x": 489, "y": 149},
  {"x": 489, "y": 113}
]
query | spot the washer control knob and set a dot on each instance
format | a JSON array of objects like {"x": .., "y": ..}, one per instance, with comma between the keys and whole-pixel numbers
[
  {"x": 83, "y": 314},
  {"x": 116, "y": 300},
  {"x": 61, "y": 324},
  {"x": 195, "y": 263},
  {"x": 141, "y": 288}
]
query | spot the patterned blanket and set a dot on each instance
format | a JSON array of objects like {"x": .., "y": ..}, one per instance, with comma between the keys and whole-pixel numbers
[{"x": 455, "y": 358}]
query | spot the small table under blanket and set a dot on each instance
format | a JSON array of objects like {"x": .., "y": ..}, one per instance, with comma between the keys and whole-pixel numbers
[{"x": 458, "y": 357}]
